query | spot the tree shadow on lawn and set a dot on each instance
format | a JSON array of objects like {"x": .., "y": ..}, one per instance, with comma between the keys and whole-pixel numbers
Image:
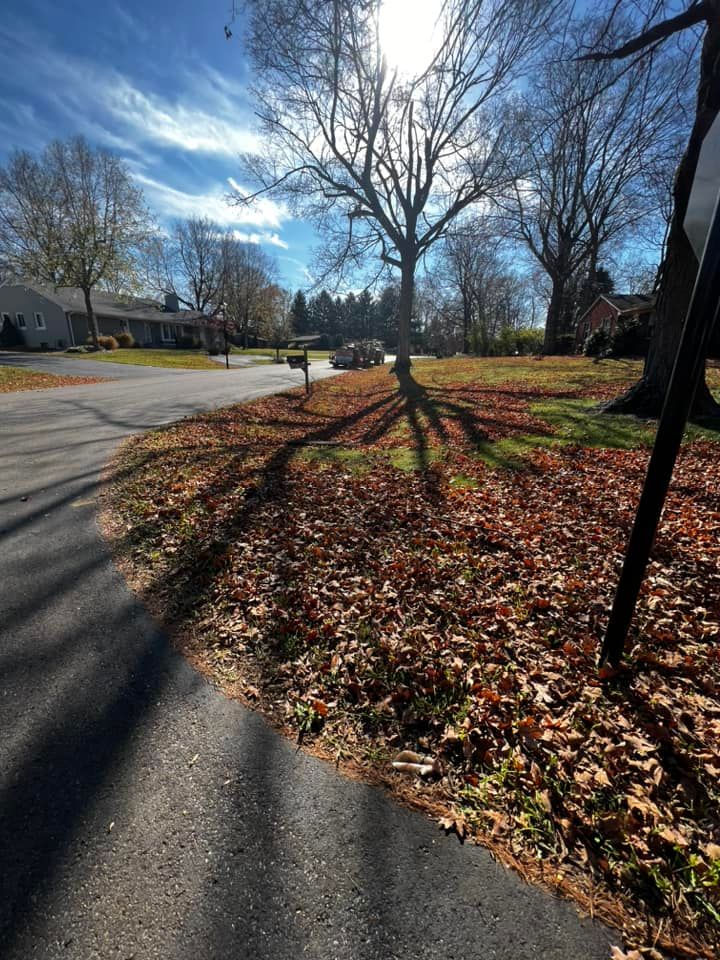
[
  {"x": 425, "y": 412},
  {"x": 203, "y": 559}
]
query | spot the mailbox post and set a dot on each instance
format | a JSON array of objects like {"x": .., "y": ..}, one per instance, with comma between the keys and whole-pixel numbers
[
  {"x": 304, "y": 363},
  {"x": 702, "y": 225}
]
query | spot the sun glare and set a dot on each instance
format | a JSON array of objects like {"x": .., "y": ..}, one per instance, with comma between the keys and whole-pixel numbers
[{"x": 409, "y": 33}]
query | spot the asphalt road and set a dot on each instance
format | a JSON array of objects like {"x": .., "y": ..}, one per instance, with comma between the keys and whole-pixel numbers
[{"x": 143, "y": 815}]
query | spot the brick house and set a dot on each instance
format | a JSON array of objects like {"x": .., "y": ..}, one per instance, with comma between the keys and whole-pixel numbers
[
  {"x": 55, "y": 318},
  {"x": 607, "y": 311}
]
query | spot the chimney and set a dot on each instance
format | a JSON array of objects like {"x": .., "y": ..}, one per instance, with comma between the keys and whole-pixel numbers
[{"x": 172, "y": 304}]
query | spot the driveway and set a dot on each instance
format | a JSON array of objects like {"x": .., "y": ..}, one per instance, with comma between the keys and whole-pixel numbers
[{"x": 143, "y": 815}]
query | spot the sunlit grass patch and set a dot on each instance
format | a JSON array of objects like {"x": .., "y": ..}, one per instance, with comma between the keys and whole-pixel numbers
[{"x": 426, "y": 565}]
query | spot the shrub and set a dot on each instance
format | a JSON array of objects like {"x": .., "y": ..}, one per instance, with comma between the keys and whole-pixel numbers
[
  {"x": 10, "y": 336},
  {"x": 597, "y": 343},
  {"x": 104, "y": 342},
  {"x": 187, "y": 343},
  {"x": 213, "y": 351},
  {"x": 630, "y": 339},
  {"x": 124, "y": 339}
]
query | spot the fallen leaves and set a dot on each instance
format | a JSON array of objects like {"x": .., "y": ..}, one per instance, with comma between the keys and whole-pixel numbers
[
  {"x": 454, "y": 629},
  {"x": 14, "y": 379}
]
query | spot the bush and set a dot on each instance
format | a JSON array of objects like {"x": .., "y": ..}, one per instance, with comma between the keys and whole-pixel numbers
[
  {"x": 597, "y": 343},
  {"x": 124, "y": 339},
  {"x": 104, "y": 343},
  {"x": 214, "y": 351},
  {"x": 10, "y": 336},
  {"x": 630, "y": 339},
  {"x": 187, "y": 343}
]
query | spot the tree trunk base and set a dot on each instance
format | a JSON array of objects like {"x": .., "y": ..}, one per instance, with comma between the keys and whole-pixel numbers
[
  {"x": 644, "y": 401},
  {"x": 401, "y": 366}
]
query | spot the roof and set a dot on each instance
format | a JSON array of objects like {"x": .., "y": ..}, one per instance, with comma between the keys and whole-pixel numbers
[
  {"x": 624, "y": 303},
  {"x": 72, "y": 300}
]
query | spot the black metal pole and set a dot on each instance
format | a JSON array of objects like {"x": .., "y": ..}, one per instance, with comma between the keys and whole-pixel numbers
[
  {"x": 306, "y": 366},
  {"x": 687, "y": 371}
]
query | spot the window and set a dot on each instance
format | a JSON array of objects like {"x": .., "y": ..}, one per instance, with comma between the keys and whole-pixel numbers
[
  {"x": 39, "y": 321},
  {"x": 20, "y": 317},
  {"x": 5, "y": 318},
  {"x": 168, "y": 332}
]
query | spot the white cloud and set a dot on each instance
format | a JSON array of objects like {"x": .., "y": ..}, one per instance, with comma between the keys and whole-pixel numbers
[
  {"x": 265, "y": 216},
  {"x": 207, "y": 114},
  {"x": 272, "y": 239},
  {"x": 187, "y": 126}
]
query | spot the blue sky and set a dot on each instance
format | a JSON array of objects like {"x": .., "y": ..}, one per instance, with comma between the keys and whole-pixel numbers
[{"x": 157, "y": 83}]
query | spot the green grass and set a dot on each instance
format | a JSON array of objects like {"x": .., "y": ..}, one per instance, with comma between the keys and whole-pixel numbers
[
  {"x": 269, "y": 352},
  {"x": 171, "y": 358}
]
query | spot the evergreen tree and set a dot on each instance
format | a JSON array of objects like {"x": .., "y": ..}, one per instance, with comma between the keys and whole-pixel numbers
[
  {"x": 300, "y": 315},
  {"x": 388, "y": 307},
  {"x": 365, "y": 316}
]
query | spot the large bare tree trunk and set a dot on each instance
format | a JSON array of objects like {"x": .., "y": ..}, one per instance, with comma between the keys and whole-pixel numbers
[
  {"x": 407, "y": 294},
  {"x": 91, "y": 319},
  {"x": 679, "y": 270},
  {"x": 553, "y": 322}
]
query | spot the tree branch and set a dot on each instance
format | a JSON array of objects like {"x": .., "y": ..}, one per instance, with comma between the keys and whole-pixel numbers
[{"x": 696, "y": 13}]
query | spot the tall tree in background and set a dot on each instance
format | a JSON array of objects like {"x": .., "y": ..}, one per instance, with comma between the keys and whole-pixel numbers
[
  {"x": 277, "y": 327},
  {"x": 189, "y": 264},
  {"x": 71, "y": 218},
  {"x": 589, "y": 134},
  {"x": 680, "y": 265},
  {"x": 300, "y": 315},
  {"x": 248, "y": 281},
  {"x": 382, "y": 161}
]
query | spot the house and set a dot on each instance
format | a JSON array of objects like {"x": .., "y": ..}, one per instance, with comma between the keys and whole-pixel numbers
[
  {"x": 55, "y": 318},
  {"x": 608, "y": 309}
]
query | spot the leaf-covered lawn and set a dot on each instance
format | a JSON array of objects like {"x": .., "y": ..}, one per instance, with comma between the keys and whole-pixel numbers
[
  {"x": 171, "y": 358},
  {"x": 17, "y": 378},
  {"x": 429, "y": 569}
]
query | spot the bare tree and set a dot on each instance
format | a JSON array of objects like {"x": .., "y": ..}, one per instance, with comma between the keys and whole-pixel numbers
[
  {"x": 590, "y": 135},
  {"x": 248, "y": 275},
  {"x": 472, "y": 262},
  {"x": 278, "y": 328},
  {"x": 188, "y": 263},
  {"x": 384, "y": 162},
  {"x": 71, "y": 217},
  {"x": 679, "y": 267}
]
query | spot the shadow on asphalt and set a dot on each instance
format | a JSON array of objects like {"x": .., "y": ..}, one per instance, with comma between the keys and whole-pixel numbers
[
  {"x": 339, "y": 874},
  {"x": 62, "y": 762}
]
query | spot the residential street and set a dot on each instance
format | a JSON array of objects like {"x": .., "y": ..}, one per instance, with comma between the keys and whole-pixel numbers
[{"x": 143, "y": 815}]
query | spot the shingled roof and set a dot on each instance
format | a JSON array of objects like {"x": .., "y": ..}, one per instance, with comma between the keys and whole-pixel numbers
[
  {"x": 72, "y": 300},
  {"x": 623, "y": 303},
  {"x": 629, "y": 302}
]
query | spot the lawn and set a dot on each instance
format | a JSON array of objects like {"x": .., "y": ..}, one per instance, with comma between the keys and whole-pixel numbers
[
  {"x": 173, "y": 359},
  {"x": 269, "y": 352},
  {"x": 18, "y": 378},
  {"x": 421, "y": 572}
]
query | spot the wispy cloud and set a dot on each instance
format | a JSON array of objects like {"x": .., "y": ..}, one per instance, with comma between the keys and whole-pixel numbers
[
  {"x": 272, "y": 239},
  {"x": 264, "y": 216},
  {"x": 206, "y": 115}
]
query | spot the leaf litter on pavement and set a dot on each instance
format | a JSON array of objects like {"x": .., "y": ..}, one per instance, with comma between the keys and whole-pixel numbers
[{"x": 365, "y": 568}]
